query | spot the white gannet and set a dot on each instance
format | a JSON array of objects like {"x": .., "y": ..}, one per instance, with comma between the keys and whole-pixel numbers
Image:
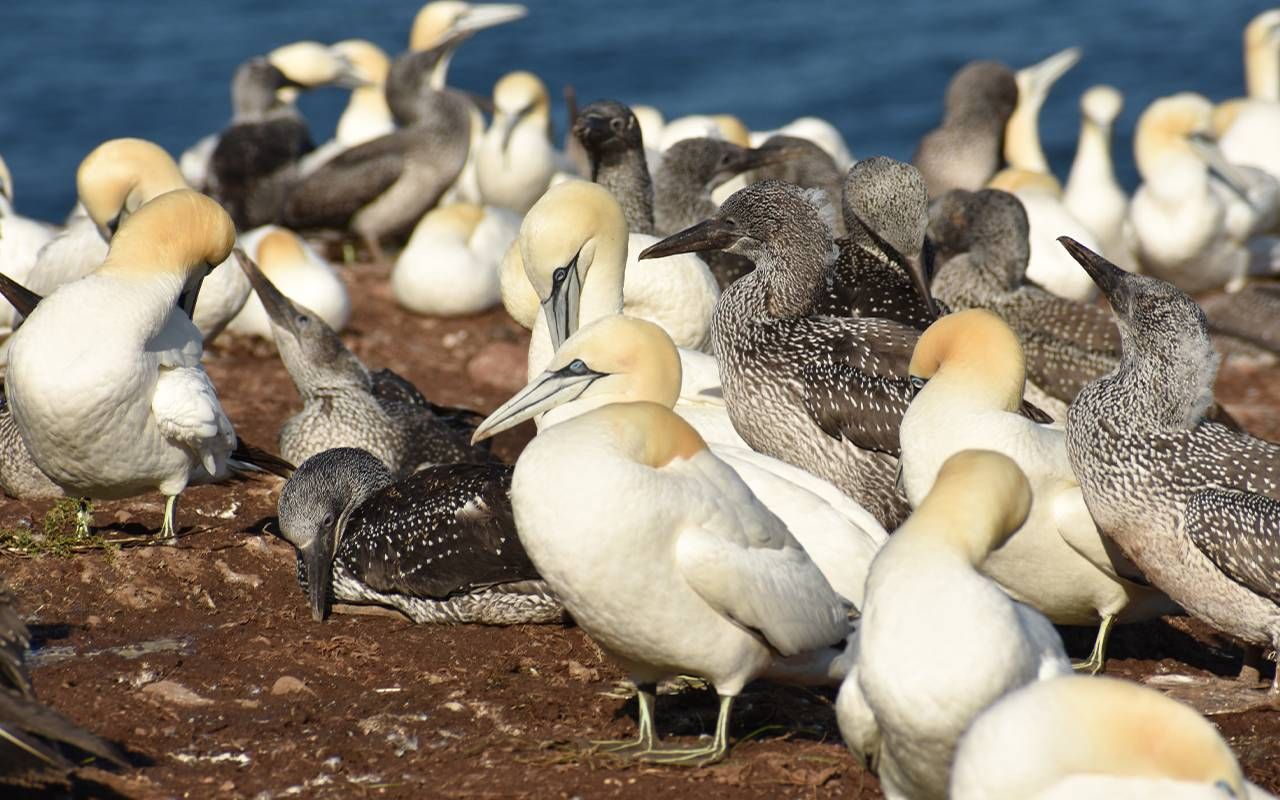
[
  {"x": 632, "y": 360},
  {"x": 1041, "y": 196},
  {"x": 1093, "y": 195},
  {"x": 21, "y": 240},
  {"x": 1248, "y": 127},
  {"x": 1100, "y": 738},
  {"x": 112, "y": 182},
  {"x": 104, "y": 377},
  {"x": 695, "y": 576},
  {"x": 652, "y": 123},
  {"x": 366, "y": 116},
  {"x": 1180, "y": 214},
  {"x": 300, "y": 273},
  {"x": 1022, "y": 132},
  {"x": 450, "y": 266},
  {"x": 969, "y": 369},
  {"x": 516, "y": 159},
  {"x": 581, "y": 262},
  {"x": 938, "y": 642}
]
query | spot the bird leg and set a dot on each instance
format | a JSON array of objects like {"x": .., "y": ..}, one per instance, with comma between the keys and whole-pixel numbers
[
  {"x": 646, "y": 696},
  {"x": 84, "y": 517},
  {"x": 1098, "y": 658},
  {"x": 168, "y": 530},
  {"x": 697, "y": 756},
  {"x": 372, "y": 245}
]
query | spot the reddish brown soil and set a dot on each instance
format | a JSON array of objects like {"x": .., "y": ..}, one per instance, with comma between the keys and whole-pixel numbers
[{"x": 201, "y": 659}]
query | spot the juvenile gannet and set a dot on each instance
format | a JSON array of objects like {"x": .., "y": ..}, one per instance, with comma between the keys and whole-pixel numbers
[
  {"x": 1093, "y": 196},
  {"x": 694, "y": 577},
  {"x": 21, "y": 240},
  {"x": 1048, "y": 218},
  {"x": 1108, "y": 738},
  {"x": 625, "y": 360},
  {"x": 805, "y": 165},
  {"x": 1192, "y": 503},
  {"x": 439, "y": 545},
  {"x": 256, "y": 157},
  {"x": 1179, "y": 214},
  {"x": 366, "y": 116},
  {"x": 968, "y": 370},
  {"x": 816, "y": 130},
  {"x": 516, "y": 158},
  {"x": 965, "y": 150},
  {"x": 1022, "y": 132},
  {"x": 344, "y": 405},
  {"x": 383, "y": 187},
  {"x": 112, "y": 405},
  {"x": 885, "y": 262},
  {"x": 578, "y": 257},
  {"x": 938, "y": 642},
  {"x": 450, "y": 265},
  {"x": 35, "y": 736},
  {"x": 297, "y": 271},
  {"x": 823, "y": 393},
  {"x": 611, "y": 136}
]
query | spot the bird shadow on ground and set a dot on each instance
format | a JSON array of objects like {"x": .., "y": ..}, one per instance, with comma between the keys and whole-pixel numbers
[
  {"x": 762, "y": 711},
  {"x": 1159, "y": 639}
]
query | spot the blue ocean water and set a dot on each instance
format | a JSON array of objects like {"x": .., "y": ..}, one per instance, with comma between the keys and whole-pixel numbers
[{"x": 76, "y": 72}]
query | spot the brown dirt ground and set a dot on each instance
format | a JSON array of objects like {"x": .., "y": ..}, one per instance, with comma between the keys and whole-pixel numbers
[{"x": 201, "y": 659}]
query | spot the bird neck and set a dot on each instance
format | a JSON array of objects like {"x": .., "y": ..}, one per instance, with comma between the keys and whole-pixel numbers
[
  {"x": 1163, "y": 387},
  {"x": 796, "y": 277},
  {"x": 1022, "y": 138},
  {"x": 1092, "y": 164},
  {"x": 680, "y": 199},
  {"x": 625, "y": 174},
  {"x": 367, "y": 110},
  {"x": 1262, "y": 71}
]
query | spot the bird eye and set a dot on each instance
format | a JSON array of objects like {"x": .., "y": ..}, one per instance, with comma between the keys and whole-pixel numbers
[
  {"x": 328, "y": 521},
  {"x": 559, "y": 275},
  {"x": 917, "y": 383},
  {"x": 303, "y": 319},
  {"x": 730, "y": 222},
  {"x": 578, "y": 367},
  {"x": 1224, "y": 786},
  {"x": 616, "y": 124}
]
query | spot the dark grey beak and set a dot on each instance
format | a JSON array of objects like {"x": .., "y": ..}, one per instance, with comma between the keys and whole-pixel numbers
[
  {"x": 318, "y": 557},
  {"x": 592, "y": 130},
  {"x": 748, "y": 159},
  {"x": 918, "y": 267},
  {"x": 19, "y": 296},
  {"x": 712, "y": 234},
  {"x": 278, "y": 307},
  {"x": 190, "y": 294},
  {"x": 1110, "y": 279}
]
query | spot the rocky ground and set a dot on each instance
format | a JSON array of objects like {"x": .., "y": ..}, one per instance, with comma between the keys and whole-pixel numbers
[{"x": 200, "y": 656}]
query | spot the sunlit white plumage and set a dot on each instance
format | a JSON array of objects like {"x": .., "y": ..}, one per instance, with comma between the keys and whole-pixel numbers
[
  {"x": 971, "y": 364},
  {"x": 366, "y": 116},
  {"x": 938, "y": 642},
  {"x": 695, "y": 575},
  {"x": 104, "y": 377},
  {"x": 1093, "y": 195},
  {"x": 1049, "y": 218},
  {"x": 450, "y": 265},
  {"x": 21, "y": 240},
  {"x": 516, "y": 159},
  {"x": 1098, "y": 738}
]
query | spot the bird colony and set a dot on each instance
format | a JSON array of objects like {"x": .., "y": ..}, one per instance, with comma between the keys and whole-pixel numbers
[{"x": 864, "y": 425}]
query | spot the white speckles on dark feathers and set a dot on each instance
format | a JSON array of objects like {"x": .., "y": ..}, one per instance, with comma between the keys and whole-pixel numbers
[
  {"x": 1240, "y": 532},
  {"x": 19, "y": 475}
]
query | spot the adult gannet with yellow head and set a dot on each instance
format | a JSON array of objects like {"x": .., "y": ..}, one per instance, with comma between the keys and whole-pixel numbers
[
  {"x": 104, "y": 377},
  {"x": 657, "y": 548},
  {"x": 1095, "y": 737},
  {"x": 516, "y": 159},
  {"x": 113, "y": 181}
]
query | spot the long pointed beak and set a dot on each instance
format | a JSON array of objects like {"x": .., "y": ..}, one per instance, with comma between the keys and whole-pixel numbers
[
  {"x": 318, "y": 557},
  {"x": 349, "y": 77},
  {"x": 278, "y": 307},
  {"x": 1110, "y": 279},
  {"x": 918, "y": 268},
  {"x": 1207, "y": 149},
  {"x": 479, "y": 17},
  {"x": 545, "y": 392},
  {"x": 187, "y": 300},
  {"x": 1042, "y": 76},
  {"x": 592, "y": 130},
  {"x": 766, "y": 155},
  {"x": 711, "y": 234},
  {"x": 561, "y": 307},
  {"x": 508, "y": 125},
  {"x": 20, "y": 297}
]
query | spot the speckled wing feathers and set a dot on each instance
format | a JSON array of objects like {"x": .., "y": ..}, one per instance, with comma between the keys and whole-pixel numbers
[
  {"x": 331, "y": 195},
  {"x": 443, "y": 531},
  {"x": 1240, "y": 533},
  {"x": 855, "y": 378}
]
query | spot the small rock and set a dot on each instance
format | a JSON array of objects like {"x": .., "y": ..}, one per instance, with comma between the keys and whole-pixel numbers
[
  {"x": 454, "y": 706},
  {"x": 231, "y": 576},
  {"x": 175, "y": 693},
  {"x": 121, "y": 517},
  {"x": 502, "y": 365},
  {"x": 581, "y": 673},
  {"x": 93, "y": 620},
  {"x": 287, "y": 684},
  {"x": 227, "y": 787}
]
